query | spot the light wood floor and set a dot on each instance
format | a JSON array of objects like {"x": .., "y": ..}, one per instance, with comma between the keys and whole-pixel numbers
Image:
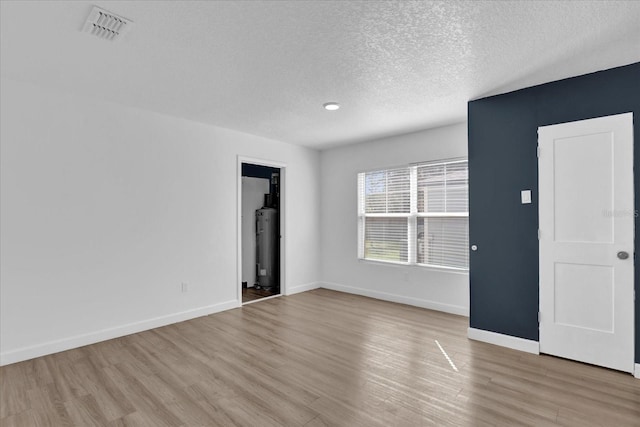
[{"x": 318, "y": 358}]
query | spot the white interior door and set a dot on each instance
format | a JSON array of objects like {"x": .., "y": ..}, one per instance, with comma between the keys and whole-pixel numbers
[{"x": 586, "y": 214}]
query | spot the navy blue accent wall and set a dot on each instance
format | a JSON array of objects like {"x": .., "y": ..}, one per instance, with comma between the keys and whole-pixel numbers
[{"x": 502, "y": 161}]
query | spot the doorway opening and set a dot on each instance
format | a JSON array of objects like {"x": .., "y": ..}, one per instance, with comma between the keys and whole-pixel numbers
[{"x": 260, "y": 230}]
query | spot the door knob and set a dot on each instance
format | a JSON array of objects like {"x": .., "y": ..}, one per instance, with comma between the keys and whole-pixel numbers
[{"x": 623, "y": 255}]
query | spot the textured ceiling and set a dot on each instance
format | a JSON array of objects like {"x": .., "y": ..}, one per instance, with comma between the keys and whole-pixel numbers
[{"x": 267, "y": 67}]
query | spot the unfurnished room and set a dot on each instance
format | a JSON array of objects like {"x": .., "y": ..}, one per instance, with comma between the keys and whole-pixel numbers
[{"x": 319, "y": 213}]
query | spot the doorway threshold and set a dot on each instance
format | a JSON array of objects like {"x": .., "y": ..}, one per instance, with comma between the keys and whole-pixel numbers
[{"x": 262, "y": 299}]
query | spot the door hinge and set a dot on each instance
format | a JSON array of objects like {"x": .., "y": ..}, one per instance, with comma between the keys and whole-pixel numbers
[
  {"x": 539, "y": 318},
  {"x": 538, "y": 151},
  {"x": 538, "y": 234}
]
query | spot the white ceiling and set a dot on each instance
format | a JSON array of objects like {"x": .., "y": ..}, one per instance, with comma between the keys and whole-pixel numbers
[{"x": 266, "y": 67}]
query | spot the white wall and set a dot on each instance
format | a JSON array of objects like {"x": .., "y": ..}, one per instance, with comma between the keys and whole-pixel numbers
[
  {"x": 341, "y": 269},
  {"x": 106, "y": 210},
  {"x": 253, "y": 191}
]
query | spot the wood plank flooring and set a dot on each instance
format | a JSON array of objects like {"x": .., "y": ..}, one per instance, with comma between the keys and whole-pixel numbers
[{"x": 320, "y": 358}]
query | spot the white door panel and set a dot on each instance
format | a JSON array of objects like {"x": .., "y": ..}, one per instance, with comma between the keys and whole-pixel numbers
[
  {"x": 594, "y": 313},
  {"x": 580, "y": 195},
  {"x": 586, "y": 217}
]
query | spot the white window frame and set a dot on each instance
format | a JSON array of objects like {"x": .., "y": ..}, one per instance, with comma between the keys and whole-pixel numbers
[{"x": 412, "y": 216}]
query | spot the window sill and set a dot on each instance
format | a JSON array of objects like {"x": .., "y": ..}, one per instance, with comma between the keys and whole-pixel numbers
[{"x": 420, "y": 266}]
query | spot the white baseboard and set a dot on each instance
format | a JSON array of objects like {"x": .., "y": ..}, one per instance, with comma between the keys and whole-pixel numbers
[
  {"x": 302, "y": 288},
  {"x": 26, "y": 353},
  {"x": 637, "y": 371},
  {"x": 417, "y": 302},
  {"x": 502, "y": 340}
]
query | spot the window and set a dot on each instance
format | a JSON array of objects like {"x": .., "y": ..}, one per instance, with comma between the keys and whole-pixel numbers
[{"x": 417, "y": 214}]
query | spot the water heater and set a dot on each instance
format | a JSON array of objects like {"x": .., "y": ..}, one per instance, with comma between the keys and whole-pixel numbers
[{"x": 267, "y": 247}]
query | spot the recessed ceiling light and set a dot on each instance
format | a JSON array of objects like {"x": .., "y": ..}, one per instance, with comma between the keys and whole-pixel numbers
[{"x": 331, "y": 106}]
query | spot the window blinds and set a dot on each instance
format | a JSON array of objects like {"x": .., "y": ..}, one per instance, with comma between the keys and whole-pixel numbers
[
  {"x": 386, "y": 239},
  {"x": 416, "y": 214},
  {"x": 387, "y": 191},
  {"x": 443, "y": 188},
  {"x": 443, "y": 242},
  {"x": 443, "y": 207},
  {"x": 384, "y": 199}
]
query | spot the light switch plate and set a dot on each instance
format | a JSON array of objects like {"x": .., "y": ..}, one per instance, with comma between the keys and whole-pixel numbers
[{"x": 525, "y": 196}]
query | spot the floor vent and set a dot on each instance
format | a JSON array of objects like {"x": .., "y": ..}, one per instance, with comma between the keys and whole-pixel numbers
[{"x": 106, "y": 25}]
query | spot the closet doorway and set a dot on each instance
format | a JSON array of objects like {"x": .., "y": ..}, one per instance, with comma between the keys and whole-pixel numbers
[{"x": 261, "y": 225}]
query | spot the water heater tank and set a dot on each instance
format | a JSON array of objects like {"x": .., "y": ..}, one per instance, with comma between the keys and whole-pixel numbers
[{"x": 267, "y": 247}]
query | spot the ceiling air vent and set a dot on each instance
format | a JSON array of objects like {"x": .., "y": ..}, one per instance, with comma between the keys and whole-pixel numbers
[{"x": 106, "y": 25}]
